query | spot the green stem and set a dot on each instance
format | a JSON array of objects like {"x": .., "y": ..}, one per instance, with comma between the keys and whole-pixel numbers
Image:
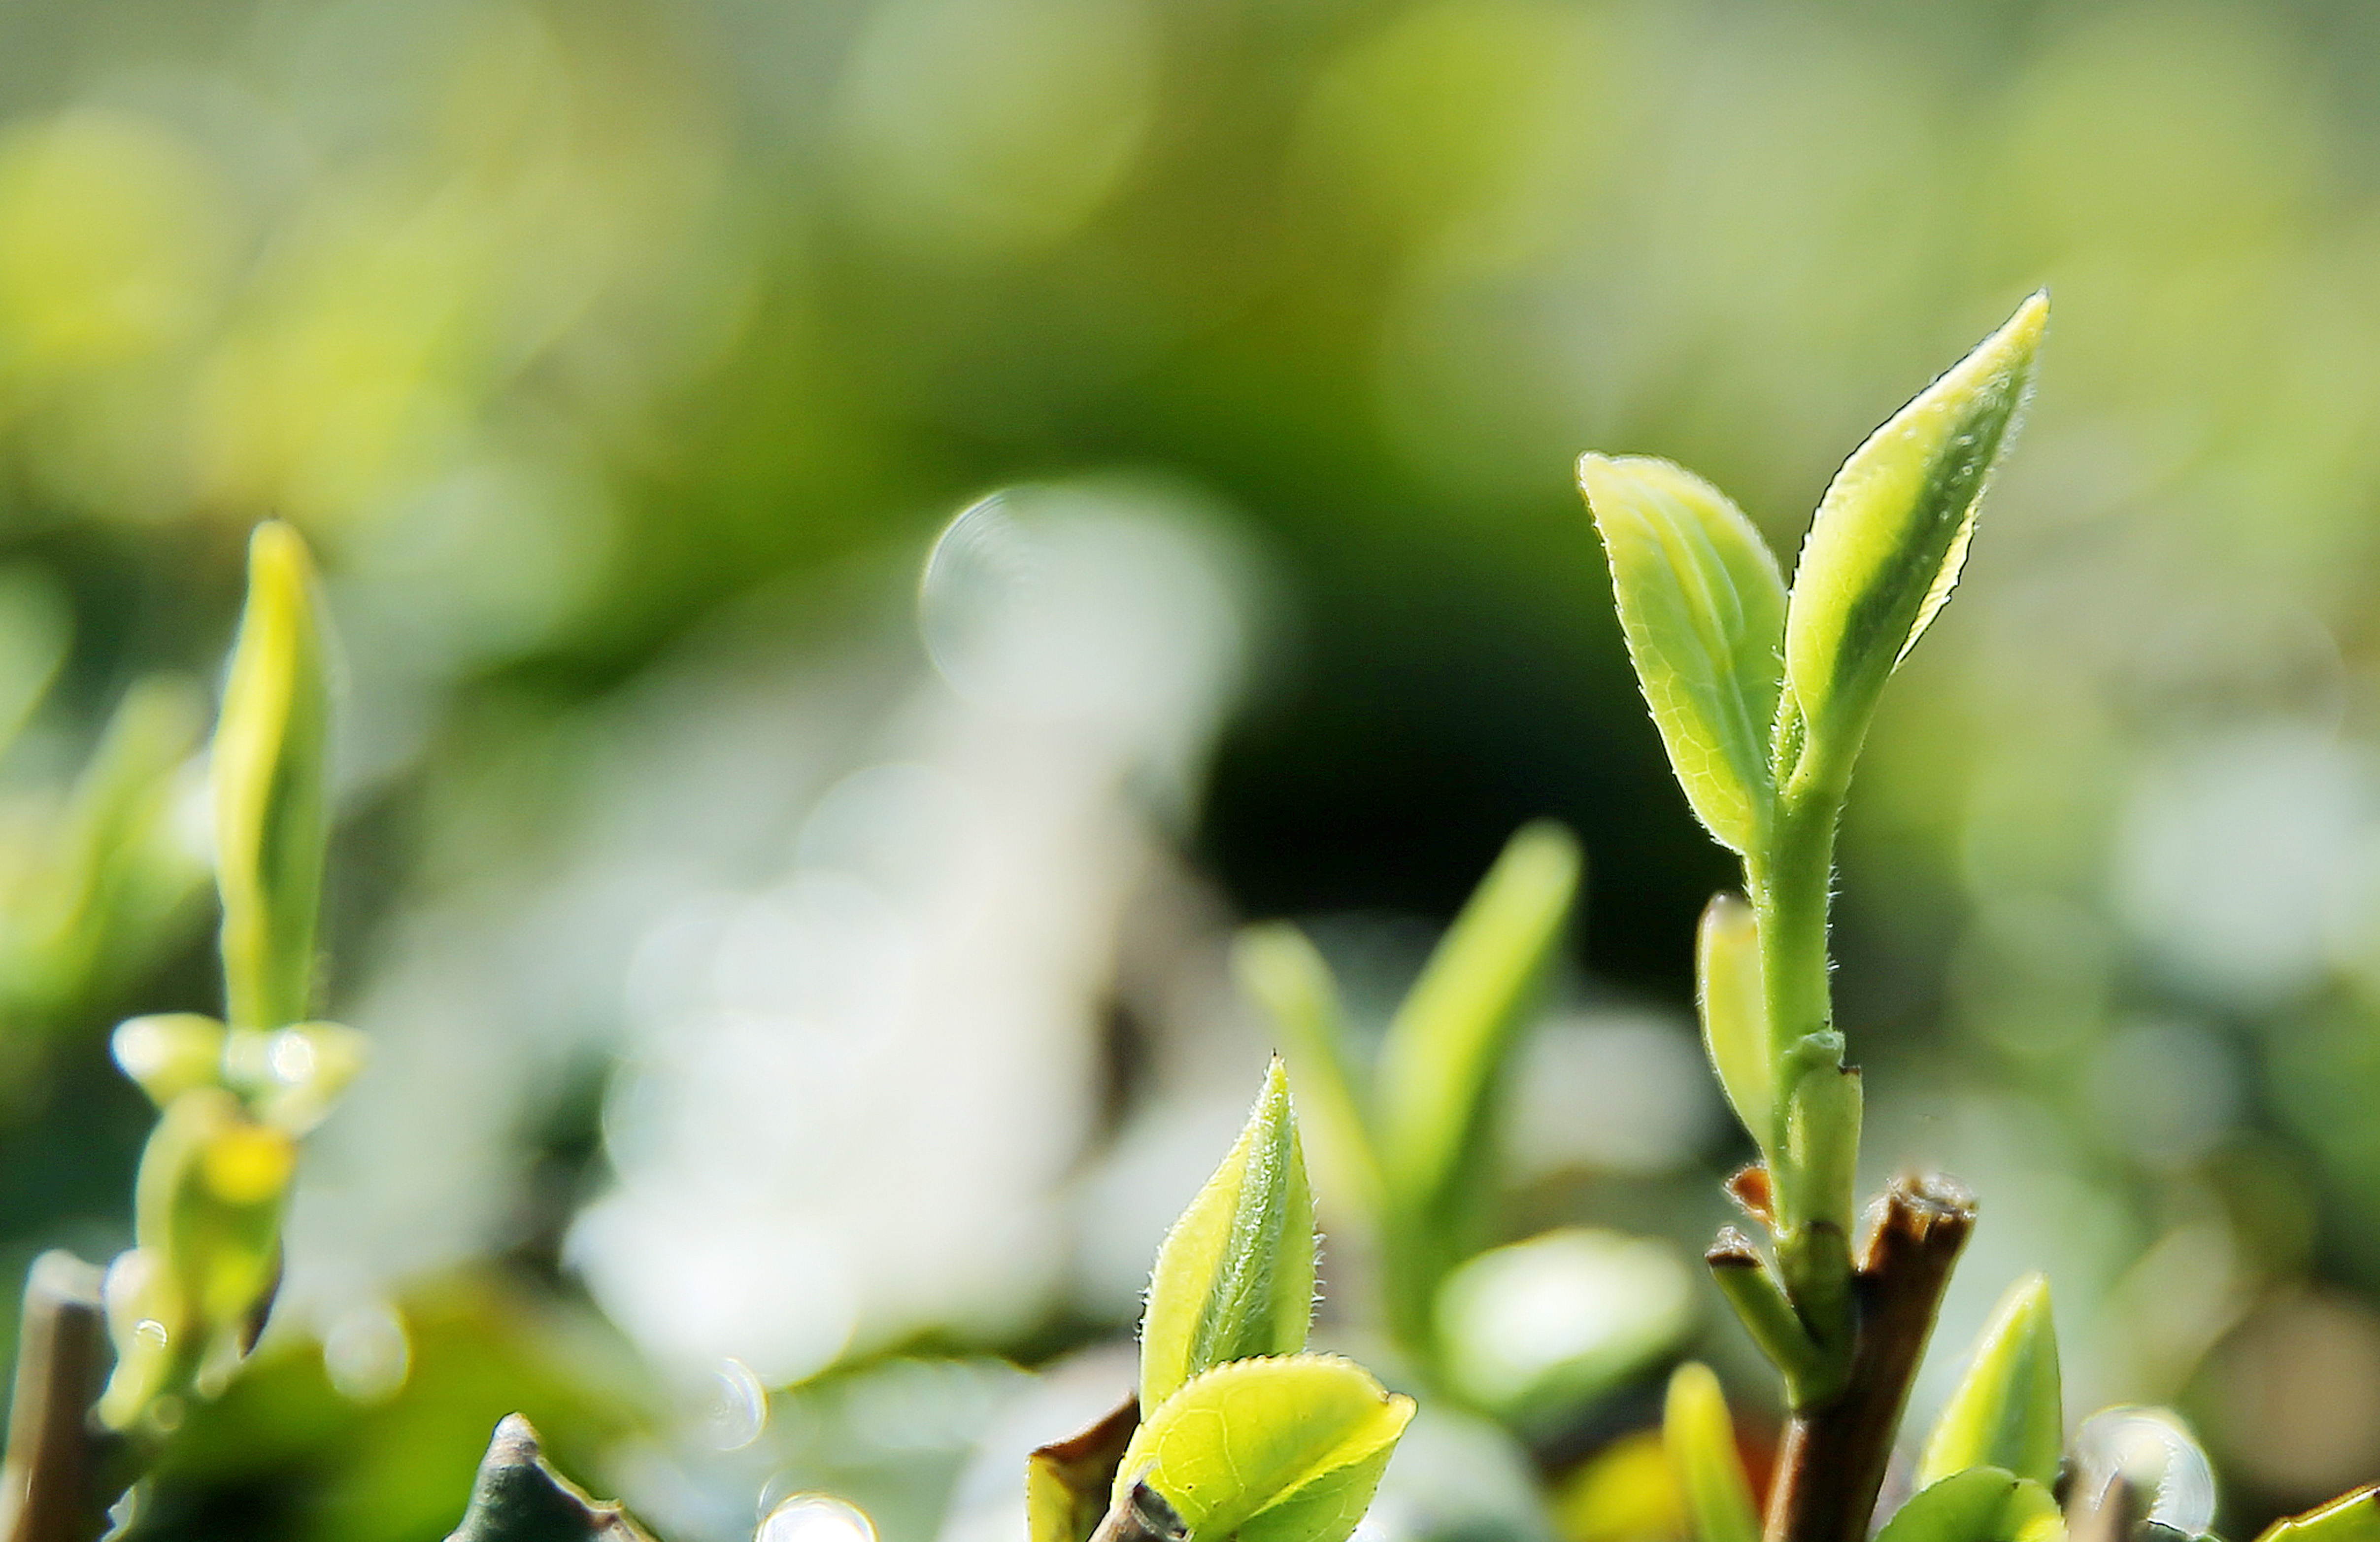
[{"x": 1791, "y": 890}]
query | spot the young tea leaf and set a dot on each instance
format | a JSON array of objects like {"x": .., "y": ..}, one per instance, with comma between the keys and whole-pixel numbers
[
  {"x": 2006, "y": 1411},
  {"x": 271, "y": 809},
  {"x": 1441, "y": 1061},
  {"x": 1891, "y": 535},
  {"x": 1700, "y": 1440},
  {"x": 1269, "y": 1450},
  {"x": 1734, "y": 1011},
  {"x": 2349, "y": 1518},
  {"x": 1982, "y": 1504},
  {"x": 1702, "y": 608},
  {"x": 1235, "y": 1276}
]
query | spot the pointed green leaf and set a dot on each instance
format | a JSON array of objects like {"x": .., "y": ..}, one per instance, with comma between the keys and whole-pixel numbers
[
  {"x": 1735, "y": 1010},
  {"x": 2006, "y": 1411},
  {"x": 1235, "y": 1276},
  {"x": 517, "y": 1498},
  {"x": 1700, "y": 1440},
  {"x": 1282, "y": 971},
  {"x": 1271, "y": 1451},
  {"x": 1068, "y": 1483},
  {"x": 1445, "y": 1049},
  {"x": 1702, "y": 608},
  {"x": 1982, "y": 1504},
  {"x": 1891, "y": 535},
  {"x": 2349, "y": 1518},
  {"x": 272, "y": 806}
]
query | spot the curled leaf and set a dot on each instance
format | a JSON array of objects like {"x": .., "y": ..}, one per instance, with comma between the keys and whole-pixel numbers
[
  {"x": 1235, "y": 1276},
  {"x": 2005, "y": 1412},
  {"x": 1269, "y": 1450},
  {"x": 271, "y": 807},
  {"x": 1702, "y": 608}
]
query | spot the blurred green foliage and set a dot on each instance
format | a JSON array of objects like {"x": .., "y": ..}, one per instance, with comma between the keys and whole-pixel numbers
[{"x": 558, "y": 328}]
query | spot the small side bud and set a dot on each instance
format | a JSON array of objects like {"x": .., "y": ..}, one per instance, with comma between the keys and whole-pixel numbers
[{"x": 1735, "y": 1013}]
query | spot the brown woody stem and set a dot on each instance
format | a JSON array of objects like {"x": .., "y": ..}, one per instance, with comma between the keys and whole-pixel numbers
[
  {"x": 49, "y": 1480},
  {"x": 1832, "y": 1461}
]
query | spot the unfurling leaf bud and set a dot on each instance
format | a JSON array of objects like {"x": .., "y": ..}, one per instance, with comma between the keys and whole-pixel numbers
[
  {"x": 1890, "y": 536},
  {"x": 1235, "y": 1276},
  {"x": 270, "y": 794}
]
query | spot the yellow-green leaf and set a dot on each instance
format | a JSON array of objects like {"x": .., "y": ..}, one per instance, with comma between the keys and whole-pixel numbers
[
  {"x": 2006, "y": 1411},
  {"x": 1703, "y": 609},
  {"x": 1444, "y": 1051},
  {"x": 1235, "y": 1276},
  {"x": 271, "y": 794},
  {"x": 1735, "y": 1010},
  {"x": 1303, "y": 1438},
  {"x": 1700, "y": 1440},
  {"x": 1982, "y": 1504},
  {"x": 2349, "y": 1518},
  {"x": 1892, "y": 532}
]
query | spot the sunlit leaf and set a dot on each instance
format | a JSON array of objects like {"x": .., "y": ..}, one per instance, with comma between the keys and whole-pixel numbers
[
  {"x": 1702, "y": 608},
  {"x": 1700, "y": 1438},
  {"x": 270, "y": 788},
  {"x": 1729, "y": 992},
  {"x": 2005, "y": 1412},
  {"x": 1235, "y": 1276},
  {"x": 1441, "y": 1062},
  {"x": 2349, "y": 1518},
  {"x": 1982, "y": 1504},
  {"x": 1891, "y": 535},
  {"x": 1271, "y": 1451}
]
